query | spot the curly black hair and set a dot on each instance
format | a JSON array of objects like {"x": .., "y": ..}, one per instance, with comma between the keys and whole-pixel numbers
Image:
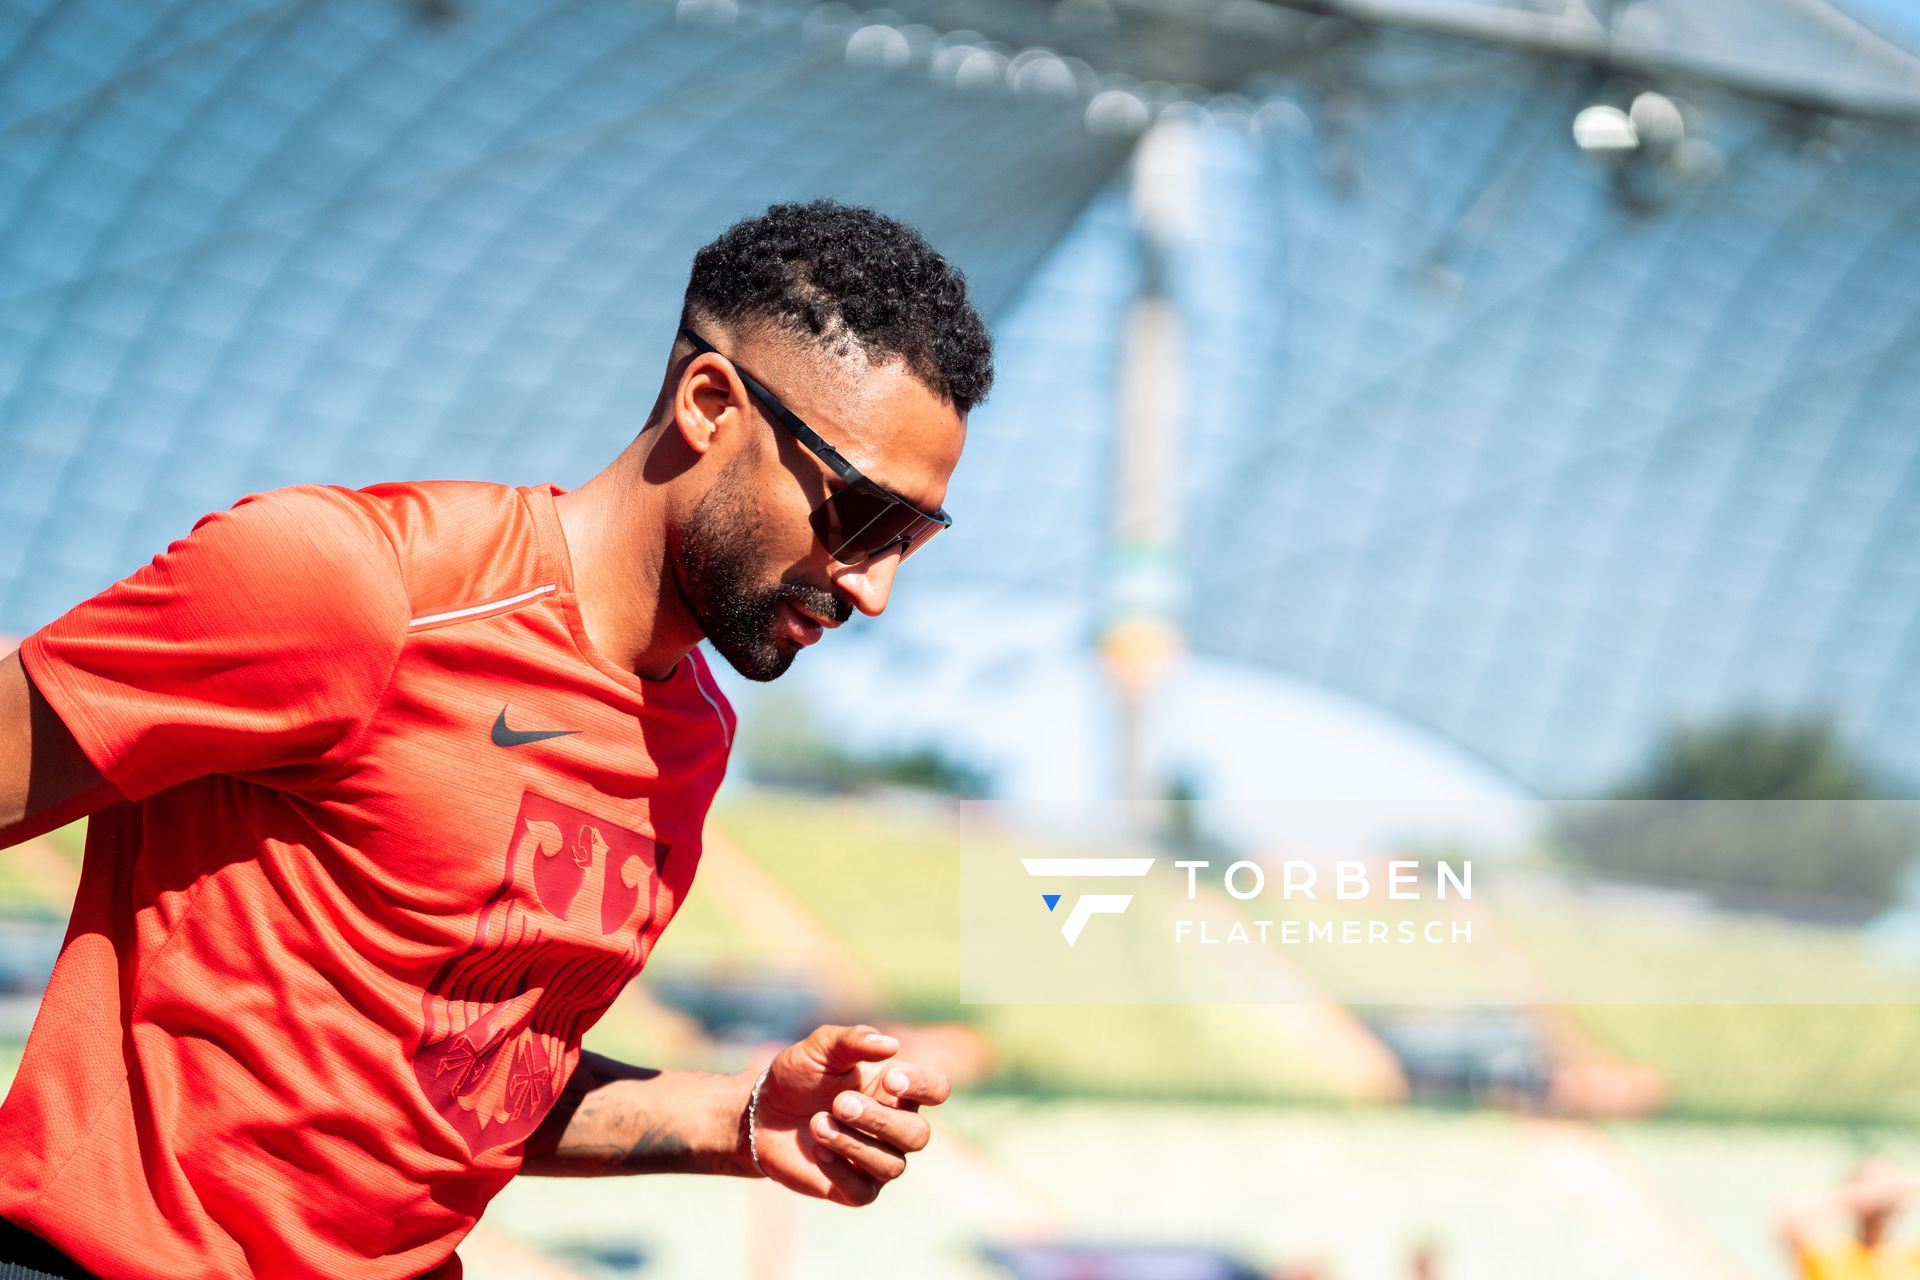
[{"x": 828, "y": 271}]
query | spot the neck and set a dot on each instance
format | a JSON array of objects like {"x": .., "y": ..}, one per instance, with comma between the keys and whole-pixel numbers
[{"x": 615, "y": 527}]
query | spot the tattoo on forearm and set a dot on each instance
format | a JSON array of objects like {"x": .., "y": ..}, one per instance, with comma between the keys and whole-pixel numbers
[
  {"x": 607, "y": 1130},
  {"x": 613, "y": 1118}
]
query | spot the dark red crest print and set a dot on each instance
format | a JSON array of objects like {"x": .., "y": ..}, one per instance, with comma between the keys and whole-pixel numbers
[{"x": 562, "y": 935}]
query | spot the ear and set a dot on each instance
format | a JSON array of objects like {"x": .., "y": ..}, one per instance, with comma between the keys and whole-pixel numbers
[{"x": 709, "y": 400}]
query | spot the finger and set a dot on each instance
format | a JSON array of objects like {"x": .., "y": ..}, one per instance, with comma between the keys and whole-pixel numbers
[
  {"x": 850, "y": 1185},
  {"x": 901, "y": 1130},
  {"x": 839, "y": 1048},
  {"x": 877, "y": 1160},
  {"x": 810, "y": 1177},
  {"x": 909, "y": 1084}
]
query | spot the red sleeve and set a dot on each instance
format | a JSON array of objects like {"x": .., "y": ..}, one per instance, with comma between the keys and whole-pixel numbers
[{"x": 265, "y": 637}]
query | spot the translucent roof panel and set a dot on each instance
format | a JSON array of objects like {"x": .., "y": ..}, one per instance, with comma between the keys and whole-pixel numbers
[
  {"x": 1539, "y": 449},
  {"x": 340, "y": 243},
  {"x": 1544, "y": 468}
]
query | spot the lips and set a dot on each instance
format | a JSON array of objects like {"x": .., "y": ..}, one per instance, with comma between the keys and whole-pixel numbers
[{"x": 804, "y": 629}]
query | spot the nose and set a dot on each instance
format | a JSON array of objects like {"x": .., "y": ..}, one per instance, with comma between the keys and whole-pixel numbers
[{"x": 870, "y": 582}]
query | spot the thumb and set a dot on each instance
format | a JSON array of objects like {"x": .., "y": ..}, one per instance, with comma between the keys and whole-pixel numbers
[{"x": 839, "y": 1048}]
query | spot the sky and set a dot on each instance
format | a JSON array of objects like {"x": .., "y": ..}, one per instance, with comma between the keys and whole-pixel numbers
[{"x": 1895, "y": 19}]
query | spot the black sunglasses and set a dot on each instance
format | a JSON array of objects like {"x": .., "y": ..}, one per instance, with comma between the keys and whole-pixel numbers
[{"x": 862, "y": 520}]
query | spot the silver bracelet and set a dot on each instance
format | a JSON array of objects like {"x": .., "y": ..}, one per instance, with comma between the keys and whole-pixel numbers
[{"x": 753, "y": 1105}]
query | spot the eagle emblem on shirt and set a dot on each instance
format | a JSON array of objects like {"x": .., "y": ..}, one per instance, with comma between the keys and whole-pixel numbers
[{"x": 553, "y": 946}]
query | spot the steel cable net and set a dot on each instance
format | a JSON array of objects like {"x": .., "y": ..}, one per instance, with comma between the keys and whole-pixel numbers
[
  {"x": 1538, "y": 447},
  {"x": 1542, "y": 450},
  {"x": 245, "y": 246},
  {"x": 1546, "y": 463}
]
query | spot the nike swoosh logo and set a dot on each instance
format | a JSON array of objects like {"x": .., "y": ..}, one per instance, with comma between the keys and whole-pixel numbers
[{"x": 505, "y": 737}]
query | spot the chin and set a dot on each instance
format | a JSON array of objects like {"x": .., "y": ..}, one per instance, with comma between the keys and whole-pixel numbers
[{"x": 764, "y": 661}]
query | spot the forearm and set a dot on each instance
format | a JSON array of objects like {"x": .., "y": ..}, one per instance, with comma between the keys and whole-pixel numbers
[
  {"x": 46, "y": 781},
  {"x": 614, "y": 1118}
]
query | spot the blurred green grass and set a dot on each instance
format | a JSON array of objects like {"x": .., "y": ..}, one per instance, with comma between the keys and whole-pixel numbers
[
  {"x": 1807, "y": 1056},
  {"x": 70, "y": 839},
  {"x": 27, "y": 891},
  {"x": 886, "y": 882},
  {"x": 883, "y": 880},
  {"x": 1804, "y": 1063}
]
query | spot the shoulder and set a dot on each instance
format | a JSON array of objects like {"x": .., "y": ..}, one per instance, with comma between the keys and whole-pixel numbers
[
  {"x": 337, "y": 566},
  {"x": 302, "y": 561},
  {"x": 293, "y": 538},
  {"x": 458, "y": 543},
  {"x": 264, "y": 636}
]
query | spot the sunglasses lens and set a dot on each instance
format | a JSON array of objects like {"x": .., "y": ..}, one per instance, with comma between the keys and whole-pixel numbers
[
  {"x": 856, "y": 526},
  {"x": 921, "y": 535}
]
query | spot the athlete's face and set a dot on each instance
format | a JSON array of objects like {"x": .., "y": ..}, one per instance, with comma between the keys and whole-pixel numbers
[{"x": 757, "y": 578}]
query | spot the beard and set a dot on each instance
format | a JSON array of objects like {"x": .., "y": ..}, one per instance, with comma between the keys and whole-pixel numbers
[{"x": 725, "y": 584}]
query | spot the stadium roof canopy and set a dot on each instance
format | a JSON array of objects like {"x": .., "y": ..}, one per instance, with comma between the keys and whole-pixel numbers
[
  {"x": 1802, "y": 51},
  {"x": 1535, "y": 446}
]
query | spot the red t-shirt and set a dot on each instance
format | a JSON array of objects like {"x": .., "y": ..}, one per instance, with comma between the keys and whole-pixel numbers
[{"x": 396, "y": 835}]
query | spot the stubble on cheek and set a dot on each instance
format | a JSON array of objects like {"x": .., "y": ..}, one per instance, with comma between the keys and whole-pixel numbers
[{"x": 721, "y": 551}]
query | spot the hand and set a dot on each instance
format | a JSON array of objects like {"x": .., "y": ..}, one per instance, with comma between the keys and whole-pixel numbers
[
  {"x": 1879, "y": 1186},
  {"x": 839, "y": 1113}
]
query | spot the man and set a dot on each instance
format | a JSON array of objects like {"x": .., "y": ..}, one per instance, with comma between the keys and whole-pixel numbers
[
  {"x": 1870, "y": 1196},
  {"x": 392, "y": 791}
]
